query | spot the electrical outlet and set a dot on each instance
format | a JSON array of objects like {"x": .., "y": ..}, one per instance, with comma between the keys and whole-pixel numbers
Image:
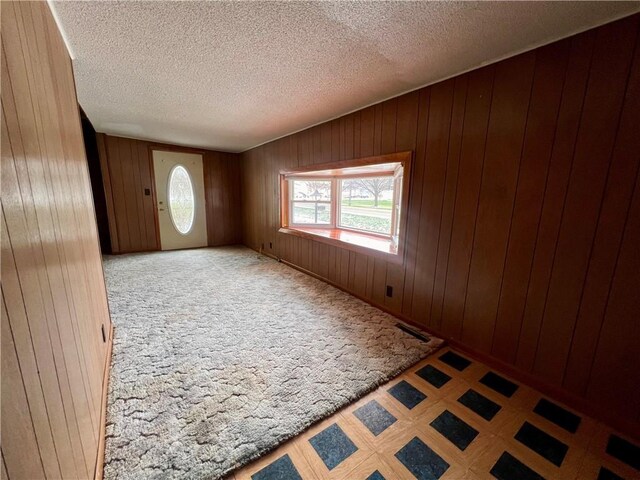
[{"x": 389, "y": 291}]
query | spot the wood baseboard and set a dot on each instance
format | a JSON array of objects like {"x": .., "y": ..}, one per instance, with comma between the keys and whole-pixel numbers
[
  {"x": 628, "y": 427},
  {"x": 99, "y": 467}
]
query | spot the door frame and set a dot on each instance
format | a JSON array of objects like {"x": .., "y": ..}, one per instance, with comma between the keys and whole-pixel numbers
[{"x": 151, "y": 146}]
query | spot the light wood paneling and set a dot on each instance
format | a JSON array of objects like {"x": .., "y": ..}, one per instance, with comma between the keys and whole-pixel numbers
[
  {"x": 127, "y": 171},
  {"x": 519, "y": 238},
  {"x": 54, "y": 305}
]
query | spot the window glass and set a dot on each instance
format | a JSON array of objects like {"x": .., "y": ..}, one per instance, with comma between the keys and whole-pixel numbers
[
  {"x": 367, "y": 204},
  {"x": 357, "y": 202},
  {"x": 312, "y": 213},
  {"x": 312, "y": 190},
  {"x": 181, "y": 199},
  {"x": 311, "y": 202}
]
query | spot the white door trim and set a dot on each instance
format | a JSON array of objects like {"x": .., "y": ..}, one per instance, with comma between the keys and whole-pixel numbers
[{"x": 163, "y": 164}]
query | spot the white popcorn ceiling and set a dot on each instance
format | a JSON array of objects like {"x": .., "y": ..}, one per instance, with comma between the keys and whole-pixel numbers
[{"x": 233, "y": 75}]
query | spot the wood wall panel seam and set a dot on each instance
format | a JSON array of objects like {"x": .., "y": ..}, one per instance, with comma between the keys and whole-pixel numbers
[
  {"x": 515, "y": 196},
  {"x": 54, "y": 285},
  {"x": 560, "y": 167},
  {"x": 415, "y": 199},
  {"x": 39, "y": 309},
  {"x": 605, "y": 101},
  {"x": 25, "y": 458},
  {"x": 469, "y": 254},
  {"x": 106, "y": 176},
  {"x": 505, "y": 135},
  {"x": 54, "y": 298},
  {"x": 626, "y": 145},
  {"x": 61, "y": 169},
  {"x": 508, "y": 302},
  {"x": 614, "y": 375},
  {"x": 6, "y": 104},
  {"x": 448, "y": 204}
]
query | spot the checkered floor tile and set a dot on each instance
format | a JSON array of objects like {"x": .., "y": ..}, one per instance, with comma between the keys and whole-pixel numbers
[{"x": 450, "y": 418}]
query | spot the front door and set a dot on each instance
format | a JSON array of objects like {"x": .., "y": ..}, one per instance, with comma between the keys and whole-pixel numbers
[{"x": 180, "y": 199}]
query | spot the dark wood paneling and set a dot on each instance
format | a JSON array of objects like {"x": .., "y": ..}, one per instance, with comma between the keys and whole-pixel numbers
[
  {"x": 405, "y": 140},
  {"x": 415, "y": 200},
  {"x": 222, "y": 194},
  {"x": 521, "y": 236},
  {"x": 566, "y": 127},
  {"x": 448, "y": 203},
  {"x": 127, "y": 168},
  {"x": 614, "y": 375},
  {"x": 441, "y": 103},
  {"x": 534, "y": 165},
  {"x": 54, "y": 304},
  {"x": 503, "y": 148},
  {"x": 130, "y": 172},
  {"x": 611, "y": 227},
  {"x": 476, "y": 121},
  {"x": 602, "y": 106}
]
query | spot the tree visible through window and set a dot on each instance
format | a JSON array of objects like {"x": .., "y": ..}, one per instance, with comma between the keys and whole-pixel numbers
[
  {"x": 366, "y": 204},
  {"x": 359, "y": 202},
  {"x": 311, "y": 202}
]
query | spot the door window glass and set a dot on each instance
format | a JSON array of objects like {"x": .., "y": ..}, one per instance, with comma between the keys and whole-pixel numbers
[{"x": 181, "y": 199}]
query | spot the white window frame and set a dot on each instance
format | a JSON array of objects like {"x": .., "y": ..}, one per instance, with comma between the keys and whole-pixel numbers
[
  {"x": 340, "y": 179},
  {"x": 390, "y": 248},
  {"x": 335, "y": 203},
  {"x": 331, "y": 202}
]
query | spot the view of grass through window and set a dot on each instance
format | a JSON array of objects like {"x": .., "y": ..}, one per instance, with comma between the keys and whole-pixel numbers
[
  {"x": 355, "y": 202},
  {"x": 366, "y": 204},
  {"x": 312, "y": 202}
]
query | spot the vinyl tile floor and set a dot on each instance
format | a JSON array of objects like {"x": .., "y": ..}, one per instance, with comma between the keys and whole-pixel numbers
[{"x": 449, "y": 417}]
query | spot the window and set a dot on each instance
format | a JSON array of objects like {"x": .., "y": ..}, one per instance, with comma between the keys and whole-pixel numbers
[
  {"x": 366, "y": 204},
  {"x": 181, "y": 199},
  {"x": 311, "y": 202},
  {"x": 357, "y": 203}
]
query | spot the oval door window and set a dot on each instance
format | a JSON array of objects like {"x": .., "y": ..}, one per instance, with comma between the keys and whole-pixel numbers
[{"x": 181, "y": 199}]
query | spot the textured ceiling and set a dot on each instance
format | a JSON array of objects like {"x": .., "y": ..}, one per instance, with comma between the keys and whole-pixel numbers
[{"x": 233, "y": 75}]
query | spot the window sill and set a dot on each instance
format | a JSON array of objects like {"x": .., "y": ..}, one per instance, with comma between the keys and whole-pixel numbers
[{"x": 355, "y": 241}]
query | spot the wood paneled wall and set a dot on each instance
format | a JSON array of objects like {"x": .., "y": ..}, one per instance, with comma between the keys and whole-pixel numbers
[
  {"x": 54, "y": 305},
  {"x": 222, "y": 194},
  {"x": 127, "y": 170},
  {"x": 522, "y": 241}
]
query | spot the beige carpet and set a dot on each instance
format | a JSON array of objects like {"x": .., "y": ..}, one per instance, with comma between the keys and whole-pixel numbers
[{"x": 221, "y": 354}]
